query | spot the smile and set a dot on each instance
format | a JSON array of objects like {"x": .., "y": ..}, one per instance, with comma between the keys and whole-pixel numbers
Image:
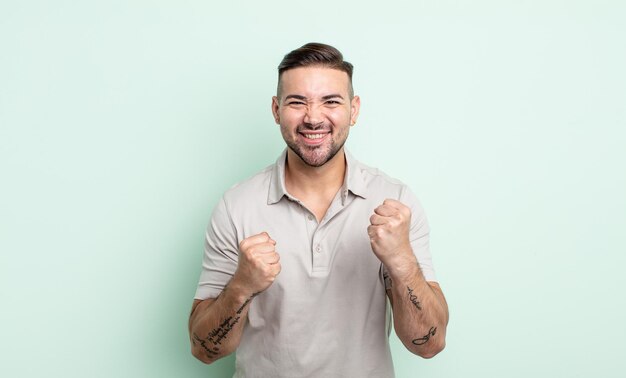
[
  {"x": 314, "y": 139},
  {"x": 314, "y": 136}
]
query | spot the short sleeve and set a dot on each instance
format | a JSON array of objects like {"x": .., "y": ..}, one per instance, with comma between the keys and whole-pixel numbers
[
  {"x": 419, "y": 234},
  {"x": 221, "y": 253}
]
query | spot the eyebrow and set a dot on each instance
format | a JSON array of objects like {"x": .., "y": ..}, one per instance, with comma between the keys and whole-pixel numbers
[
  {"x": 303, "y": 98},
  {"x": 328, "y": 97},
  {"x": 297, "y": 97}
]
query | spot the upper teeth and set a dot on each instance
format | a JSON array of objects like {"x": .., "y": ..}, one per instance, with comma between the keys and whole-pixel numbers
[{"x": 314, "y": 136}]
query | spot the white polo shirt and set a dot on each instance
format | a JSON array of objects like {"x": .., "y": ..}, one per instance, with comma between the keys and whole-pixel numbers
[{"x": 326, "y": 313}]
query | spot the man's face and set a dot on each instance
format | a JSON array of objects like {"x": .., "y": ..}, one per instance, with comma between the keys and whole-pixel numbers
[{"x": 315, "y": 112}]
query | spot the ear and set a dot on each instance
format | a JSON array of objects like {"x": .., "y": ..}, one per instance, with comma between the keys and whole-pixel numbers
[
  {"x": 355, "y": 105},
  {"x": 275, "y": 106}
]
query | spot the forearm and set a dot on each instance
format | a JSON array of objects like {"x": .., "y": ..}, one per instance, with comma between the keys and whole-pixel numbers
[
  {"x": 215, "y": 328},
  {"x": 420, "y": 311}
]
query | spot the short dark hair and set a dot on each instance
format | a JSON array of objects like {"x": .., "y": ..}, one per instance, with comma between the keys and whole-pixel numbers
[{"x": 315, "y": 54}]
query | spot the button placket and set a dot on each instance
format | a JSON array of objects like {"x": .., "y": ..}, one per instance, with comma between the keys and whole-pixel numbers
[
  {"x": 312, "y": 228},
  {"x": 319, "y": 251}
]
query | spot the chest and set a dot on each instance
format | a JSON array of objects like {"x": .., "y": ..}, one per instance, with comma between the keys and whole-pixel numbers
[{"x": 311, "y": 247}]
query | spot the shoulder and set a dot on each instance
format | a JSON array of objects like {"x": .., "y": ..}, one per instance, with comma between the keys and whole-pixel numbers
[
  {"x": 375, "y": 181},
  {"x": 375, "y": 175},
  {"x": 380, "y": 185},
  {"x": 254, "y": 188},
  {"x": 242, "y": 198}
]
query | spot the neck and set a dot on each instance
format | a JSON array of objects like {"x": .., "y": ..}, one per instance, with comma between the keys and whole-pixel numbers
[{"x": 304, "y": 179}]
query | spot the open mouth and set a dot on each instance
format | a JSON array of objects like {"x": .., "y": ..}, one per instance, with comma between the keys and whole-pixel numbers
[{"x": 314, "y": 138}]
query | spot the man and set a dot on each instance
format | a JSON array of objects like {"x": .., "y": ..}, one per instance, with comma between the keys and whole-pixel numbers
[{"x": 299, "y": 257}]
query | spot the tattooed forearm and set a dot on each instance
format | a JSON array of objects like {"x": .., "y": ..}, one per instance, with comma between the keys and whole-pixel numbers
[
  {"x": 425, "y": 338},
  {"x": 218, "y": 334},
  {"x": 240, "y": 310},
  {"x": 413, "y": 299},
  {"x": 211, "y": 343},
  {"x": 209, "y": 352}
]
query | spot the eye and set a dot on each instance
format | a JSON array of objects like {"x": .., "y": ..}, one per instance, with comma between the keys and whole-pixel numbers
[
  {"x": 333, "y": 102},
  {"x": 295, "y": 103}
]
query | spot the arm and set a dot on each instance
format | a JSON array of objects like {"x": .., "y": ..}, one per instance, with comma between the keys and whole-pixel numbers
[
  {"x": 419, "y": 308},
  {"x": 216, "y": 325},
  {"x": 420, "y": 312}
]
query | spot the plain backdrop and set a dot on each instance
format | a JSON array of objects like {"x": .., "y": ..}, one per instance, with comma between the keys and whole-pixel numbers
[{"x": 123, "y": 122}]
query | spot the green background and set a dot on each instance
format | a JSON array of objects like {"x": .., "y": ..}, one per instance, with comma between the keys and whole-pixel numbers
[{"x": 122, "y": 123}]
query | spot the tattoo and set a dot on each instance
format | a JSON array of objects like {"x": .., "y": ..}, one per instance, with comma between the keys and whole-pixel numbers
[
  {"x": 240, "y": 310},
  {"x": 425, "y": 338},
  {"x": 218, "y": 334},
  {"x": 211, "y": 343},
  {"x": 387, "y": 278},
  {"x": 413, "y": 299},
  {"x": 209, "y": 352}
]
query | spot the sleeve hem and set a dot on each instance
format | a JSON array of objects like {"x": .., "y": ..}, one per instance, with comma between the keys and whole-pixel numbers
[{"x": 203, "y": 293}]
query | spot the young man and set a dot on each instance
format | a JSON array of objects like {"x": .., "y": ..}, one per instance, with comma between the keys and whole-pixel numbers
[{"x": 300, "y": 258}]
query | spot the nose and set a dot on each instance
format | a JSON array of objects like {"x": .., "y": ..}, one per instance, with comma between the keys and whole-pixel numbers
[{"x": 314, "y": 116}]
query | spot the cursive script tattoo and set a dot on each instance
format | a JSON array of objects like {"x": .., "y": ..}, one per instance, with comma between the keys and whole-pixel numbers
[
  {"x": 425, "y": 338},
  {"x": 217, "y": 335},
  {"x": 240, "y": 310},
  {"x": 210, "y": 352},
  {"x": 413, "y": 299},
  {"x": 214, "y": 339},
  {"x": 386, "y": 278}
]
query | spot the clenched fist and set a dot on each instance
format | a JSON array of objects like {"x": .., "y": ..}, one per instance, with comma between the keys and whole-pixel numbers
[
  {"x": 258, "y": 263},
  {"x": 389, "y": 233}
]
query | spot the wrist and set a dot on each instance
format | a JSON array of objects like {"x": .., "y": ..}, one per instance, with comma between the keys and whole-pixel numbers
[
  {"x": 403, "y": 268},
  {"x": 238, "y": 290}
]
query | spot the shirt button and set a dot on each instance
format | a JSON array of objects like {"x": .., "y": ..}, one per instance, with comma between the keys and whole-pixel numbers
[
  {"x": 310, "y": 217},
  {"x": 318, "y": 249}
]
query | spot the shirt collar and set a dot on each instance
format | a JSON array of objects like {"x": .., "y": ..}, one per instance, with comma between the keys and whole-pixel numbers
[
  {"x": 353, "y": 181},
  {"x": 277, "y": 180}
]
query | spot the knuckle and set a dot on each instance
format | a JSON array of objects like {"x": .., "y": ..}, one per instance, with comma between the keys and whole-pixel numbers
[
  {"x": 256, "y": 264},
  {"x": 246, "y": 252}
]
